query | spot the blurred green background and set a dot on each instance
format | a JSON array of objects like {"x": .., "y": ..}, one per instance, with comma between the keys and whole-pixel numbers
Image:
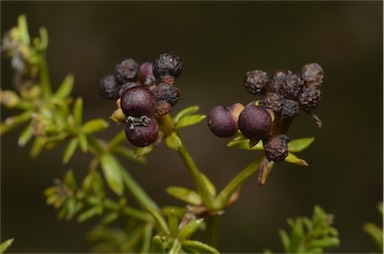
[{"x": 218, "y": 42}]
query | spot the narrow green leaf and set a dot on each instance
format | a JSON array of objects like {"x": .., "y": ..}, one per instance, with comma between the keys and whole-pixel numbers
[
  {"x": 376, "y": 234},
  {"x": 94, "y": 125},
  {"x": 173, "y": 223},
  {"x": 244, "y": 144},
  {"x": 189, "y": 229},
  {"x": 70, "y": 150},
  {"x": 129, "y": 154},
  {"x": 185, "y": 112},
  {"x": 173, "y": 141},
  {"x": 142, "y": 151},
  {"x": 69, "y": 180},
  {"x": 285, "y": 240},
  {"x": 184, "y": 194},
  {"x": 44, "y": 38},
  {"x": 158, "y": 244},
  {"x": 83, "y": 142},
  {"x": 189, "y": 120},
  {"x": 160, "y": 221},
  {"x": 112, "y": 172},
  {"x": 37, "y": 146},
  {"x": 78, "y": 111},
  {"x": 5, "y": 245},
  {"x": 118, "y": 139},
  {"x": 298, "y": 145},
  {"x": 292, "y": 158},
  {"x": 88, "y": 214},
  {"x": 65, "y": 88},
  {"x": 109, "y": 218},
  {"x": 26, "y": 135},
  {"x": 211, "y": 188},
  {"x": 23, "y": 29},
  {"x": 330, "y": 242},
  {"x": 198, "y": 247}
]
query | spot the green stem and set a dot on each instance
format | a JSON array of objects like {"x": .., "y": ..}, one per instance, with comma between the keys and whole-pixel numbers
[
  {"x": 176, "y": 246},
  {"x": 225, "y": 195},
  {"x": 44, "y": 79},
  {"x": 211, "y": 232}
]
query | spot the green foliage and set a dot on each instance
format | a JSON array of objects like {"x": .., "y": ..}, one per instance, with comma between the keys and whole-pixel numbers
[
  {"x": 5, "y": 245},
  {"x": 375, "y": 231}
]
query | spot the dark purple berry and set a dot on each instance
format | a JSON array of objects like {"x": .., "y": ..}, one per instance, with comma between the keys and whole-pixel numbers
[
  {"x": 274, "y": 101},
  {"x": 109, "y": 87},
  {"x": 312, "y": 75},
  {"x": 309, "y": 98},
  {"x": 292, "y": 86},
  {"x": 277, "y": 81},
  {"x": 126, "y": 86},
  {"x": 256, "y": 81},
  {"x": 222, "y": 122},
  {"x": 146, "y": 73},
  {"x": 254, "y": 122},
  {"x": 141, "y": 131},
  {"x": 167, "y": 67},
  {"x": 276, "y": 148},
  {"x": 126, "y": 70},
  {"x": 289, "y": 109},
  {"x": 166, "y": 92},
  {"x": 138, "y": 101}
]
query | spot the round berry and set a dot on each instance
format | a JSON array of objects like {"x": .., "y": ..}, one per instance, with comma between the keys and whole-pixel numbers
[
  {"x": 222, "y": 122},
  {"x": 109, "y": 87},
  {"x": 274, "y": 101},
  {"x": 146, "y": 73},
  {"x": 163, "y": 107},
  {"x": 312, "y": 74},
  {"x": 277, "y": 81},
  {"x": 167, "y": 67},
  {"x": 138, "y": 101},
  {"x": 126, "y": 70},
  {"x": 289, "y": 109},
  {"x": 166, "y": 92},
  {"x": 126, "y": 86},
  {"x": 254, "y": 122},
  {"x": 276, "y": 148},
  {"x": 141, "y": 131},
  {"x": 309, "y": 98},
  {"x": 256, "y": 81},
  {"x": 292, "y": 86}
]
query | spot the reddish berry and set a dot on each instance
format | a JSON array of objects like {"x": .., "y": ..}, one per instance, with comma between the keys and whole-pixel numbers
[
  {"x": 138, "y": 101},
  {"x": 276, "y": 148},
  {"x": 126, "y": 70},
  {"x": 312, "y": 74},
  {"x": 222, "y": 122},
  {"x": 141, "y": 131},
  {"x": 146, "y": 73},
  {"x": 254, "y": 122},
  {"x": 109, "y": 87},
  {"x": 167, "y": 67},
  {"x": 256, "y": 81}
]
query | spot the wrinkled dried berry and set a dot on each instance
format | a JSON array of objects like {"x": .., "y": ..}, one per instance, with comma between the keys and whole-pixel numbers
[
  {"x": 126, "y": 70},
  {"x": 254, "y": 122},
  {"x": 222, "y": 122},
  {"x": 109, "y": 87},
  {"x": 138, "y": 101},
  {"x": 277, "y": 81},
  {"x": 312, "y": 75},
  {"x": 309, "y": 98},
  {"x": 167, "y": 67},
  {"x": 163, "y": 107},
  {"x": 166, "y": 92},
  {"x": 146, "y": 73},
  {"x": 256, "y": 81},
  {"x": 289, "y": 109},
  {"x": 292, "y": 86},
  {"x": 126, "y": 86},
  {"x": 274, "y": 101},
  {"x": 276, "y": 148},
  {"x": 141, "y": 131}
]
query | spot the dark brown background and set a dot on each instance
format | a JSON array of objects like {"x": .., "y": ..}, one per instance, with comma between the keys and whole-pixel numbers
[{"x": 218, "y": 42}]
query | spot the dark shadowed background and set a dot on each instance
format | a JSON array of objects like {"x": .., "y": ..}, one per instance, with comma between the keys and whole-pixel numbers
[{"x": 218, "y": 42}]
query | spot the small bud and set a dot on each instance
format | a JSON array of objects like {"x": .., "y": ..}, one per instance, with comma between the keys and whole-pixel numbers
[{"x": 118, "y": 115}]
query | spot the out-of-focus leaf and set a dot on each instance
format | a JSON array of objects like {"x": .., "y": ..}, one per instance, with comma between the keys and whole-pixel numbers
[
  {"x": 65, "y": 88},
  {"x": 83, "y": 142},
  {"x": 142, "y": 151},
  {"x": 292, "y": 158},
  {"x": 69, "y": 180},
  {"x": 159, "y": 245},
  {"x": 94, "y": 125},
  {"x": 189, "y": 229},
  {"x": 118, "y": 139},
  {"x": 26, "y": 135},
  {"x": 184, "y": 194},
  {"x": 70, "y": 150},
  {"x": 160, "y": 222},
  {"x": 173, "y": 141},
  {"x": 37, "y": 146},
  {"x": 211, "y": 188},
  {"x": 376, "y": 234},
  {"x": 110, "y": 217},
  {"x": 245, "y": 145},
  {"x": 5, "y": 245},
  {"x": 193, "y": 246},
  {"x": 185, "y": 112},
  {"x": 112, "y": 172},
  {"x": 285, "y": 240},
  {"x": 129, "y": 154},
  {"x": 189, "y": 120},
  {"x": 173, "y": 223},
  {"x": 88, "y": 214},
  {"x": 78, "y": 111},
  {"x": 23, "y": 29},
  {"x": 298, "y": 145}
]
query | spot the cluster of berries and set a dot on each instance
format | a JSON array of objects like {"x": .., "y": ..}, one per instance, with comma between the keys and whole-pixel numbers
[
  {"x": 285, "y": 95},
  {"x": 141, "y": 92}
]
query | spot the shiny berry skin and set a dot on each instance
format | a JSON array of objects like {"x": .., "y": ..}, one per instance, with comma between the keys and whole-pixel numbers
[
  {"x": 166, "y": 92},
  {"x": 109, "y": 87},
  {"x": 256, "y": 81},
  {"x": 289, "y": 109},
  {"x": 254, "y": 122},
  {"x": 276, "y": 148},
  {"x": 222, "y": 122},
  {"x": 141, "y": 131},
  {"x": 126, "y": 86},
  {"x": 126, "y": 70},
  {"x": 146, "y": 76},
  {"x": 167, "y": 67},
  {"x": 292, "y": 86},
  {"x": 312, "y": 75},
  {"x": 309, "y": 98},
  {"x": 138, "y": 101}
]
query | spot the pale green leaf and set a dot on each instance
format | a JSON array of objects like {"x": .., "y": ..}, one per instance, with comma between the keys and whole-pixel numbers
[
  {"x": 94, "y": 125},
  {"x": 298, "y": 145},
  {"x": 70, "y": 150},
  {"x": 65, "y": 88},
  {"x": 292, "y": 158},
  {"x": 285, "y": 240},
  {"x": 112, "y": 173},
  {"x": 376, "y": 234},
  {"x": 185, "y": 112},
  {"x": 37, "y": 146},
  {"x": 88, "y": 214},
  {"x": 142, "y": 151},
  {"x": 184, "y": 194},
  {"x": 69, "y": 180},
  {"x": 129, "y": 154},
  {"x": 211, "y": 188},
  {"x": 244, "y": 144},
  {"x": 5, "y": 245},
  {"x": 78, "y": 111},
  {"x": 189, "y": 229},
  {"x": 173, "y": 141},
  {"x": 26, "y": 135},
  {"x": 83, "y": 142},
  {"x": 198, "y": 247},
  {"x": 189, "y": 120}
]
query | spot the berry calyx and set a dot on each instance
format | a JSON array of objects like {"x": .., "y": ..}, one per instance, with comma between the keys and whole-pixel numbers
[
  {"x": 256, "y": 81},
  {"x": 222, "y": 122},
  {"x": 126, "y": 70},
  {"x": 141, "y": 131},
  {"x": 167, "y": 67},
  {"x": 276, "y": 148},
  {"x": 138, "y": 101},
  {"x": 254, "y": 122},
  {"x": 109, "y": 87}
]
